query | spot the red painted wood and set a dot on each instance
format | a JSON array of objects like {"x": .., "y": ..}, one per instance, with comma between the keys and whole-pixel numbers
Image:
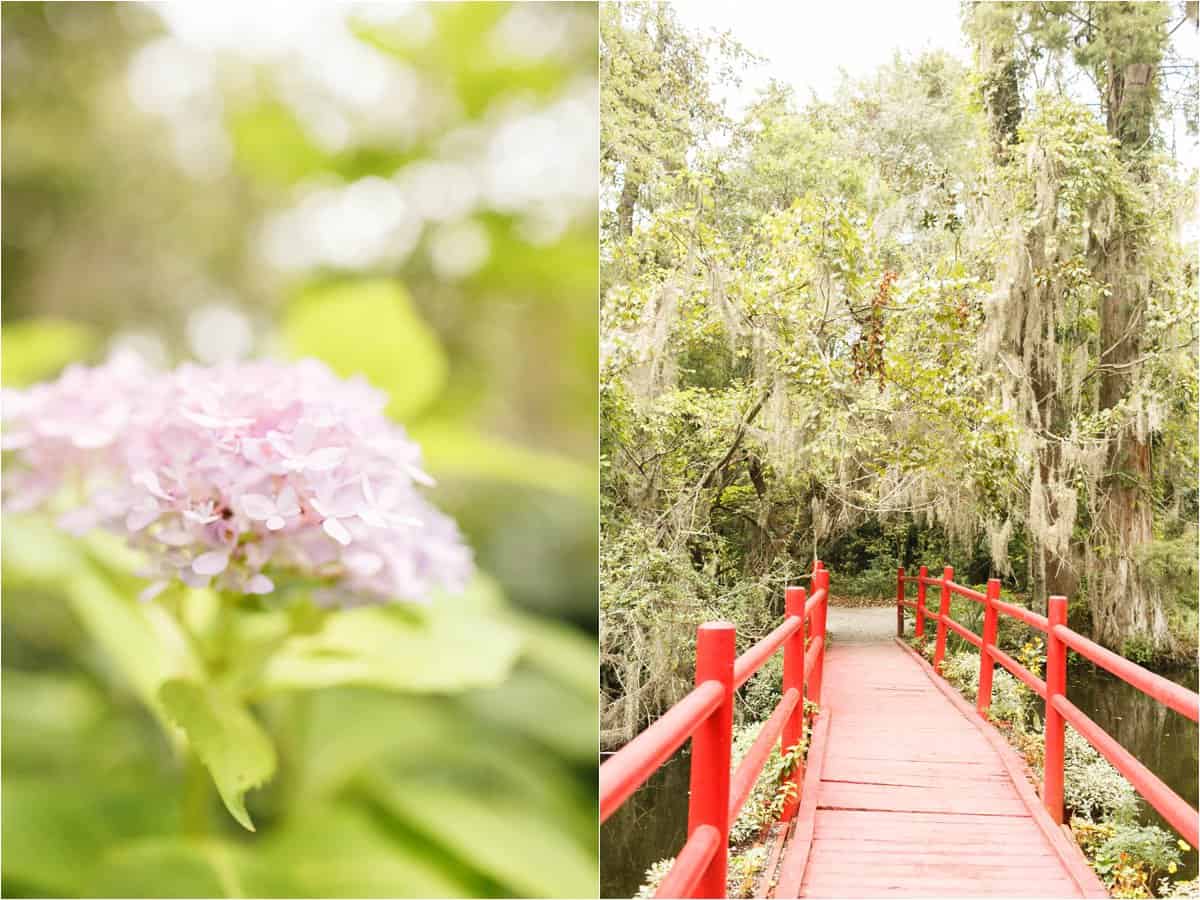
[
  {"x": 752, "y": 660},
  {"x": 963, "y": 632},
  {"x": 1056, "y": 686},
  {"x": 1166, "y": 692},
  {"x": 777, "y": 840},
  {"x": 795, "y": 599},
  {"x": 910, "y": 797},
  {"x": 1028, "y": 616},
  {"x": 820, "y": 583},
  {"x": 795, "y": 859},
  {"x": 1172, "y": 807},
  {"x": 924, "y": 572},
  {"x": 1022, "y": 779},
  {"x": 752, "y": 763},
  {"x": 706, "y": 715},
  {"x": 626, "y": 770},
  {"x": 711, "y": 745},
  {"x": 691, "y": 863},
  {"x": 1022, "y": 674},
  {"x": 987, "y": 662},
  {"x": 969, "y": 593},
  {"x": 939, "y": 652}
]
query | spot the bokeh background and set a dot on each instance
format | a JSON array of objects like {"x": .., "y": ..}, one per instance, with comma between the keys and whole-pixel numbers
[{"x": 406, "y": 190}]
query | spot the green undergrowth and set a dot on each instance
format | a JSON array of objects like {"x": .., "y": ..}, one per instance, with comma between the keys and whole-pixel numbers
[
  {"x": 1132, "y": 859},
  {"x": 772, "y": 790}
]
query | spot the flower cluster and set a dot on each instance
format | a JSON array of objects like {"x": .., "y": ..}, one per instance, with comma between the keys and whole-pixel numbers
[{"x": 228, "y": 475}]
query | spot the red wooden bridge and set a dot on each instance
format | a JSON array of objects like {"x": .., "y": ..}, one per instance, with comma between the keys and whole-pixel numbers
[{"x": 907, "y": 789}]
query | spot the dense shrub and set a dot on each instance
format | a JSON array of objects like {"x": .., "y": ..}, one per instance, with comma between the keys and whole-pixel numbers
[
  {"x": 766, "y": 800},
  {"x": 1132, "y": 859},
  {"x": 654, "y": 878},
  {"x": 1092, "y": 788}
]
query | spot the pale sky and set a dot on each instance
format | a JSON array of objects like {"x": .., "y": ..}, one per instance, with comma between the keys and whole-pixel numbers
[{"x": 807, "y": 44}]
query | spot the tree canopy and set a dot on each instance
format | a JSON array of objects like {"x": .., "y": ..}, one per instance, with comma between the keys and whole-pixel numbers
[{"x": 947, "y": 313}]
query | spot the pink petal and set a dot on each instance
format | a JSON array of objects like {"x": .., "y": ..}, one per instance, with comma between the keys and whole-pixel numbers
[
  {"x": 420, "y": 476},
  {"x": 78, "y": 521},
  {"x": 288, "y": 503},
  {"x": 147, "y": 479},
  {"x": 364, "y": 564},
  {"x": 260, "y": 584},
  {"x": 274, "y": 523},
  {"x": 87, "y": 437},
  {"x": 139, "y": 518},
  {"x": 174, "y": 537},
  {"x": 325, "y": 458},
  {"x": 211, "y": 563},
  {"x": 258, "y": 507},
  {"x": 370, "y": 515},
  {"x": 337, "y": 531}
]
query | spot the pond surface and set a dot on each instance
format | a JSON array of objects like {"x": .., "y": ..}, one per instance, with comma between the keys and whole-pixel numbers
[
  {"x": 652, "y": 824},
  {"x": 1163, "y": 740}
]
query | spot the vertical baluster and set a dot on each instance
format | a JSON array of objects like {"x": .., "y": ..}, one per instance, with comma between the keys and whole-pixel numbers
[
  {"x": 793, "y": 677},
  {"x": 1056, "y": 686},
  {"x": 820, "y": 582},
  {"x": 986, "y": 662},
  {"x": 712, "y": 745},
  {"x": 923, "y": 573},
  {"x": 939, "y": 652},
  {"x": 900, "y": 602}
]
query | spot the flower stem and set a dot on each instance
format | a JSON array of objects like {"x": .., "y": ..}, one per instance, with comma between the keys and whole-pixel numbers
[{"x": 197, "y": 798}]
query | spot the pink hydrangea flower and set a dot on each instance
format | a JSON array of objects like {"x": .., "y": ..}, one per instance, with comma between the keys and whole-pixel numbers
[{"x": 230, "y": 475}]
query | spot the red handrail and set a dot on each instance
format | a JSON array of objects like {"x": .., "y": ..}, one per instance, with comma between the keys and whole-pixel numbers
[
  {"x": 706, "y": 716},
  {"x": 1059, "y": 710}
]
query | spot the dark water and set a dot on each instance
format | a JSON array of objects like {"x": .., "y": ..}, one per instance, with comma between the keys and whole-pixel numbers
[
  {"x": 652, "y": 825},
  {"x": 653, "y": 822},
  {"x": 1164, "y": 741}
]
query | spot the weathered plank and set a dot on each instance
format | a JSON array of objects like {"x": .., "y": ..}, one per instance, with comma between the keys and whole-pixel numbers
[{"x": 912, "y": 796}]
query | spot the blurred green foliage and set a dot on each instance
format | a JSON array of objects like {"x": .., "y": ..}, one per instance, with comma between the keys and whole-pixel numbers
[{"x": 442, "y": 752}]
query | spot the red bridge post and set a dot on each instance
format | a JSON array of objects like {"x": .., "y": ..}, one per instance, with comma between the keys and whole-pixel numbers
[
  {"x": 1056, "y": 685},
  {"x": 711, "y": 748},
  {"x": 900, "y": 602},
  {"x": 820, "y": 582},
  {"x": 986, "y": 662},
  {"x": 923, "y": 573},
  {"x": 793, "y": 677},
  {"x": 939, "y": 652}
]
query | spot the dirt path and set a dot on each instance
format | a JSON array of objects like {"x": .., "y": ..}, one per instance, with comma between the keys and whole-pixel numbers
[{"x": 867, "y": 624}]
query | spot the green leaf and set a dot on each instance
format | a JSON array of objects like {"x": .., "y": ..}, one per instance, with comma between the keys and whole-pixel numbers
[
  {"x": 338, "y": 850},
  {"x": 454, "y": 644},
  {"x": 562, "y": 652},
  {"x": 460, "y": 452},
  {"x": 225, "y": 737},
  {"x": 141, "y": 640},
  {"x": 34, "y": 349},
  {"x": 35, "y": 552},
  {"x": 499, "y": 834},
  {"x": 370, "y": 328},
  {"x": 173, "y": 867},
  {"x": 57, "y": 826},
  {"x": 271, "y": 143},
  {"x": 548, "y": 711}
]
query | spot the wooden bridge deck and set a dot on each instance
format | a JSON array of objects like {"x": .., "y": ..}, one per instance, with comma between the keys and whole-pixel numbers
[{"x": 910, "y": 793}]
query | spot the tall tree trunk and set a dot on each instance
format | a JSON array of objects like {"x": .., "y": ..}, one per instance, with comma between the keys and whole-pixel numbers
[
  {"x": 1123, "y": 605},
  {"x": 1001, "y": 95},
  {"x": 626, "y": 205}
]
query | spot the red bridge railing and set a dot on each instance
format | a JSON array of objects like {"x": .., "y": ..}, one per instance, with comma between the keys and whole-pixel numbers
[
  {"x": 706, "y": 716},
  {"x": 1053, "y": 690}
]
